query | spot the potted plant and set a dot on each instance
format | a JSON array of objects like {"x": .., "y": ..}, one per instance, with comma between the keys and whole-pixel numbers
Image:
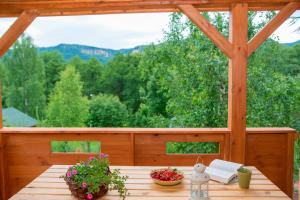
[
  {"x": 244, "y": 176},
  {"x": 92, "y": 179}
]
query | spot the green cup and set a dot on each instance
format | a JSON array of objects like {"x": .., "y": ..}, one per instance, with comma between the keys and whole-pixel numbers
[{"x": 244, "y": 176}]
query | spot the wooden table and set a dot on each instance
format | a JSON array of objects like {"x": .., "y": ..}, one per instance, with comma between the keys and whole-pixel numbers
[{"x": 48, "y": 186}]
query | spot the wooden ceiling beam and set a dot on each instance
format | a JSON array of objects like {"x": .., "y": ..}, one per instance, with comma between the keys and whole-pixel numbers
[
  {"x": 262, "y": 35},
  {"x": 12, "y": 8},
  {"x": 207, "y": 28},
  {"x": 16, "y": 29}
]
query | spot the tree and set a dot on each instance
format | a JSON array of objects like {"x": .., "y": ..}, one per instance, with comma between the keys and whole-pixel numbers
[
  {"x": 54, "y": 64},
  {"x": 121, "y": 78},
  {"x": 107, "y": 111},
  {"x": 90, "y": 72},
  {"x": 25, "y": 81},
  {"x": 67, "y": 107}
]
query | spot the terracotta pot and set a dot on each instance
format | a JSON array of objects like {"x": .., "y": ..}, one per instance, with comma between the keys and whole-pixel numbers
[{"x": 244, "y": 178}]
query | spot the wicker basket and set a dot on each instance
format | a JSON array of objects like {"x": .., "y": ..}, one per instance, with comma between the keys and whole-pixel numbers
[{"x": 80, "y": 193}]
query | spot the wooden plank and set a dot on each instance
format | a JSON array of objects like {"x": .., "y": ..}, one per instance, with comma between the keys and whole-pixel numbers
[
  {"x": 161, "y": 131},
  {"x": 14, "y": 8},
  {"x": 1, "y": 114},
  {"x": 262, "y": 35},
  {"x": 16, "y": 29},
  {"x": 207, "y": 28},
  {"x": 266, "y": 151},
  {"x": 237, "y": 81},
  {"x": 53, "y": 187},
  {"x": 2, "y": 170}
]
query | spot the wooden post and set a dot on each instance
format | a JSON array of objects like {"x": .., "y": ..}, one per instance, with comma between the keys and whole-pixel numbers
[
  {"x": 16, "y": 29},
  {"x": 238, "y": 35},
  {"x": 2, "y": 181}
]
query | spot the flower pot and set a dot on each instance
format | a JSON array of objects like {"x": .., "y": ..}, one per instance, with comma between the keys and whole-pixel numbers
[
  {"x": 80, "y": 193},
  {"x": 244, "y": 176}
]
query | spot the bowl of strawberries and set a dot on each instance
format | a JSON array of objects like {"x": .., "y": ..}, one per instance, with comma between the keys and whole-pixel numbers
[{"x": 166, "y": 176}]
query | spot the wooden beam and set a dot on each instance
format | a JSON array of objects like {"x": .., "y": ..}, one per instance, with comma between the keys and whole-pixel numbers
[
  {"x": 1, "y": 118},
  {"x": 207, "y": 28},
  {"x": 12, "y": 8},
  {"x": 238, "y": 35},
  {"x": 262, "y": 35},
  {"x": 16, "y": 29},
  {"x": 2, "y": 170}
]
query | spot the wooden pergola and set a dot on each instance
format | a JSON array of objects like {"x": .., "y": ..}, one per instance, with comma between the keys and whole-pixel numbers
[{"x": 237, "y": 47}]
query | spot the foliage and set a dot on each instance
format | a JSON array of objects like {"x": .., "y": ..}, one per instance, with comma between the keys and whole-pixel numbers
[
  {"x": 93, "y": 174},
  {"x": 54, "y": 63},
  {"x": 193, "y": 147},
  {"x": 67, "y": 107},
  {"x": 75, "y": 146},
  {"x": 25, "y": 85},
  {"x": 121, "y": 78},
  {"x": 90, "y": 72},
  {"x": 107, "y": 111}
]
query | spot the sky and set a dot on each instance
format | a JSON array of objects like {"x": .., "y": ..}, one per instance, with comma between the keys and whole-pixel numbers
[{"x": 113, "y": 31}]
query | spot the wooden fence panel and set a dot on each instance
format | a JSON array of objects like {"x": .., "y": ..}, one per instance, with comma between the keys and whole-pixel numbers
[{"x": 272, "y": 152}]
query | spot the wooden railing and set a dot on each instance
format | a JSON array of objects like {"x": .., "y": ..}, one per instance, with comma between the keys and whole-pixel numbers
[{"x": 26, "y": 152}]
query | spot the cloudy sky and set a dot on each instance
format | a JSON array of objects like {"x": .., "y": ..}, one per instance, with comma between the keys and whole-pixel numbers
[{"x": 113, "y": 31}]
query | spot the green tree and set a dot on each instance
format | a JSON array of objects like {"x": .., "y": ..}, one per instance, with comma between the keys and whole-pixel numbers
[
  {"x": 25, "y": 89},
  {"x": 90, "y": 72},
  {"x": 67, "y": 107},
  {"x": 54, "y": 64},
  {"x": 121, "y": 78},
  {"x": 107, "y": 111}
]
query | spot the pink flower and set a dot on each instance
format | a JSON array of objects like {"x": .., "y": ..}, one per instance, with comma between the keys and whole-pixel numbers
[
  {"x": 74, "y": 171},
  {"x": 91, "y": 158},
  {"x": 84, "y": 185},
  {"x": 90, "y": 196},
  {"x": 69, "y": 174},
  {"x": 103, "y": 155}
]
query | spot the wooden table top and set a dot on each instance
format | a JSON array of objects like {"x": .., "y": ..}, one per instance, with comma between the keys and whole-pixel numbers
[{"x": 48, "y": 186}]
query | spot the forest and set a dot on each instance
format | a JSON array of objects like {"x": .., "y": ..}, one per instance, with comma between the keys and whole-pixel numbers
[{"x": 180, "y": 82}]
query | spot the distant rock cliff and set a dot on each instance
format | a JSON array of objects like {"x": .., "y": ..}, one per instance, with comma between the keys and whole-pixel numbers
[{"x": 87, "y": 52}]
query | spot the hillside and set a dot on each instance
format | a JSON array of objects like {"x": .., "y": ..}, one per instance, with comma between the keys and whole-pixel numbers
[
  {"x": 102, "y": 54},
  {"x": 292, "y": 43},
  {"x": 87, "y": 52}
]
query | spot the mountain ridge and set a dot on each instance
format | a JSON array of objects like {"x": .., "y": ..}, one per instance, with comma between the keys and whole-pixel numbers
[{"x": 87, "y": 52}]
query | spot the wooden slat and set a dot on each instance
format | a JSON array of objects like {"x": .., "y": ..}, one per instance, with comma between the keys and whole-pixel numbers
[
  {"x": 237, "y": 82},
  {"x": 262, "y": 35},
  {"x": 142, "y": 187},
  {"x": 16, "y": 29},
  {"x": 207, "y": 28}
]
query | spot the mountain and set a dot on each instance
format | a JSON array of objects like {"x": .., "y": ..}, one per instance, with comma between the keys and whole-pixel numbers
[
  {"x": 292, "y": 43},
  {"x": 87, "y": 52}
]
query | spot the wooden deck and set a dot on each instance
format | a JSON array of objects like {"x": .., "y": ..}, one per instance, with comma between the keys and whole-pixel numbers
[{"x": 48, "y": 186}]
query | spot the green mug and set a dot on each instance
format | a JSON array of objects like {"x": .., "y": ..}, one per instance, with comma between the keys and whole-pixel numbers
[{"x": 244, "y": 176}]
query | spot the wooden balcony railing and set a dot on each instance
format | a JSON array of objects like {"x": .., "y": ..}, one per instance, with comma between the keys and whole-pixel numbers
[{"x": 26, "y": 152}]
